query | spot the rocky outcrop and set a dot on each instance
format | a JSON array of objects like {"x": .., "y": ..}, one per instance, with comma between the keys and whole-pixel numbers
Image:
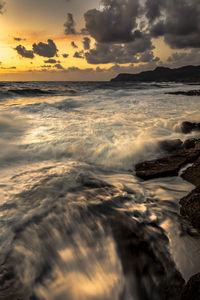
[
  {"x": 186, "y": 93},
  {"x": 191, "y": 290},
  {"x": 162, "y": 74},
  {"x": 166, "y": 166},
  {"x": 192, "y": 174},
  {"x": 170, "y": 166},
  {"x": 190, "y": 207},
  {"x": 187, "y": 127},
  {"x": 170, "y": 145}
]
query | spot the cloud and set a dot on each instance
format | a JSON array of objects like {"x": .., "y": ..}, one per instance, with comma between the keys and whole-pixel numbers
[
  {"x": 18, "y": 39},
  {"x": 153, "y": 9},
  {"x": 59, "y": 66},
  {"x": 86, "y": 43},
  {"x": 46, "y": 66},
  {"x": 177, "y": 21},
  {"x": 140, "y": 50},
  {"x": 78, "y": 54},
  {"x": 116, "y": 22},
  {"x": 8, "y": 68},
  {"x": 51, "y": 61},
  {"x": 65, "y": 55},
  {"x": 124, "y": 29},
  {"x": 21, "y": 50},
  {"x": 74, "y": 45},
  {"x": 185, "y": 58},
  {"x": 48, "y": 49},
  {"x": 70, "y": 25}
]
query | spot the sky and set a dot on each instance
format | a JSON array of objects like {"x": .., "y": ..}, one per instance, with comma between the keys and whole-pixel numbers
[{"x": 95, "y": 39}]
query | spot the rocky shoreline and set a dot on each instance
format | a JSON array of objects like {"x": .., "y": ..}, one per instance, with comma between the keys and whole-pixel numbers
[
  {"x": 174, "y": 163},
  {"x": 186, "y": 93}
]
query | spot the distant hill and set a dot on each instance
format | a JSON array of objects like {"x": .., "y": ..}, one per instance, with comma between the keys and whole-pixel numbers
[{"x": 162, "y": 74}]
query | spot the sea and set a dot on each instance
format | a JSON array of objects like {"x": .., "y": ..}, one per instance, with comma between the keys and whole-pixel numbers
[{"x": 76, "y": 223}]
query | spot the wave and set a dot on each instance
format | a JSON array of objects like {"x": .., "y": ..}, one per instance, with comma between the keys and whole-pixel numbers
[{"x": 31, "y": 92}]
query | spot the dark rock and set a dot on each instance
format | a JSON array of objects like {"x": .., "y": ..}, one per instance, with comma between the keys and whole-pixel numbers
[
  {"x": 166, "y": 166},
  {"x": 190, "y": 143},
  {"x": 186, "y": 93},
  {"x": 151, "y": 273},
  {"x": 187, "y": 127},
  {"x": 170, "y": 145},
  {"x": 190, "y": 207},
  {"x": 162, "y": 74},
  {"x": 191, "y": 290},
  {"x": 192, "y": 174}
]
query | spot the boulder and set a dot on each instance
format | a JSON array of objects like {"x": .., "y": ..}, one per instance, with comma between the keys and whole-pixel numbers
[
  {"x": 190, "y": 143},
  {"x": 187, "y": 127},
  {"x": 166, "y": 166},
  {"x": 190, "y": 207},
  {"x": 170, "y": 145},
  {"x": 192, "y": 174},
  {"x": 191, "y": 291}
]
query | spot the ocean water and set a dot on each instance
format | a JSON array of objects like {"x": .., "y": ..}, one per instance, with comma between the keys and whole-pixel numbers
[{"x": 75, "y": 221}]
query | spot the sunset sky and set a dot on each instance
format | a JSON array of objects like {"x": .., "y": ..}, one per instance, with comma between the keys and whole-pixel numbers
[{"x": 95, "y": 40}]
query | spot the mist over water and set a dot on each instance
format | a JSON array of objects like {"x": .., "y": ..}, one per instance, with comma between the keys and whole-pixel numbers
[{"x": 76, "y": 223}]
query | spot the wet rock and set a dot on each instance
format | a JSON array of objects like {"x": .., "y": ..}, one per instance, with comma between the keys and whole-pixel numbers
[
  {"x": 191, "y": 290},
  {"x": 190, "y": 207},
  {"x": 187, "y": 127},
  {"x": 170, "y": 145},
  {"x": 192, "y": 174},
  {"x": 190, "y": 143},
  {"x": 186, "y": 93},
  {"x": 150, "y": 273},
  {"x": 166, "y": 166}
]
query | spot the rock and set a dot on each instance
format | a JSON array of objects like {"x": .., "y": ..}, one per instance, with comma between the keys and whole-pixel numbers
[
  {"x": 191, "y": 290},
  {"x": 186, "y": 93},
  {"x": 190, "y": 207},
  {"x": 187, "y": 127},
  {"x": 149, "y": 273},
  {"x": 190, "y": 143},
  {"x": 170, "y": 145},
  {"x": 166, "y": 166},
  {"x": 192, "y": 174}
]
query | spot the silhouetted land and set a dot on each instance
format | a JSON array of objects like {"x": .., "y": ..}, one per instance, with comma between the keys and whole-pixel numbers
[{"x": 162, "y": 74}]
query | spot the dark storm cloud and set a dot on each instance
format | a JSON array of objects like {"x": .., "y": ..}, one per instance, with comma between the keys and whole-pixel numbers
[
  {"x": 21, "y": 50},
  {"x": 178, "y": 21},
  {"x": 45, "y": 49},
  {"x": 140, "y": 50},
  {"x": 153, "y": 9},
  {"x": 122, "y": 22},
  {"x": 65, "y": 55},
  {"x": 115, "y": 28},
  {"x": 86, "y": 43},
  {"x": 74, "y": 45},
  {"x": 78, "y": 54},
  {"x": 115, "y": 23},
  {"x": 70, "y": 25},
  {"x": 51, "y": 61}
]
